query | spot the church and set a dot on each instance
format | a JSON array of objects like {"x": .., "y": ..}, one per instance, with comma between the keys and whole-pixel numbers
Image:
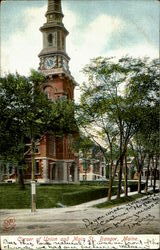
[{"x": 54, "y": 160}]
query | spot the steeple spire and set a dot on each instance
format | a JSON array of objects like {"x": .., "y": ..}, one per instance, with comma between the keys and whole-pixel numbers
[
  {"x": 54, "y": 11},
  {"x": 54, "y": 6}
]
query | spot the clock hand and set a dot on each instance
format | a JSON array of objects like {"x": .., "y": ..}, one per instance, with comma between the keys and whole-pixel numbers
[{"x": 48, "y": 63}]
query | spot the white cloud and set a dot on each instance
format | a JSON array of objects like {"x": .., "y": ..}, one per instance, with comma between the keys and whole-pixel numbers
[
  {"x": 139, "y": 50},
  {"x": 100, "y": 31},
  {"x": 95, "y": 37},
  {"x": 21, "y": 51},
  {"x": 70, "y": 19}
]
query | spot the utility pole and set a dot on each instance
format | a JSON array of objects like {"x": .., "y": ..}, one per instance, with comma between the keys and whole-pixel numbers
[
  {"x": 33, "y": 183},
  {"x": 85, "y": 167}
]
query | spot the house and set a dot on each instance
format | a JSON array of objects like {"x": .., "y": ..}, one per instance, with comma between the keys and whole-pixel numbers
[{"x": 92, "y": 167}]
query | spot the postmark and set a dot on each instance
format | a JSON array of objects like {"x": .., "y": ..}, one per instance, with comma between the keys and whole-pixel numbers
[{"x": 9, "y": 224}]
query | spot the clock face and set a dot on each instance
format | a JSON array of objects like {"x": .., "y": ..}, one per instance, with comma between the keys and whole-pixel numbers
[{"x": 50, "y": 62}]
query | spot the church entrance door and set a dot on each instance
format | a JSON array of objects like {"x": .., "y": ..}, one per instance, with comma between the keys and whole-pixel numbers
[{"x": 52, "y": 171}]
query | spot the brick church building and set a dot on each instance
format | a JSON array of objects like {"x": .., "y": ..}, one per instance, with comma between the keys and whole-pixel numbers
[{"x": 55, "y": 161}]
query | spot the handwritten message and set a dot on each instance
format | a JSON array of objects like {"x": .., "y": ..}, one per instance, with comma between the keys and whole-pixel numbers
[
  {"x": 80, "y": 242},
  {"x": 132, "y": 214}
]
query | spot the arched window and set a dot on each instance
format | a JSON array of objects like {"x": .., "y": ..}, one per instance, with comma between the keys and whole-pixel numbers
[
  {"x": 49, "y": 92},
  {"x": 50, "y": 39}
]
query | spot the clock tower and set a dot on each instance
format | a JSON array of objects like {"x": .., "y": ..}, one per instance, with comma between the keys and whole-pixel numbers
[
  {"x": 54, "y": 61},
  {"x": 55, "y": 160}
]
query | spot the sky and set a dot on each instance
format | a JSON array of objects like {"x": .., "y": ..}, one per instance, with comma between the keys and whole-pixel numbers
[{"x": 96, "y": 28}]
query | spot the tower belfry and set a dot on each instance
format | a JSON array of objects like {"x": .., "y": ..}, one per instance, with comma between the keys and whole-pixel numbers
[{"x": 53, "y": 57}]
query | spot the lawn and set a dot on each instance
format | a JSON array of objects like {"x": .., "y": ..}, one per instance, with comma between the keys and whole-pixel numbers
[
  {"x": 49, "y": 195},
  {"x": 120, "y": 201}
]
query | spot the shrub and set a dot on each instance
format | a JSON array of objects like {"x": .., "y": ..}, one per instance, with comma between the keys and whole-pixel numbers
[
  {"x": 76, "y": 198},
  {"x": 94, "y": 183},
  {"x": 134, "y": 186}
]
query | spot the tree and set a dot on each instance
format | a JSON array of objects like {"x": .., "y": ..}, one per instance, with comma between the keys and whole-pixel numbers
[
  {"x": 146, "y": 144},
  {"x": 113, "y": 104},
  {"x": 146, "y": 141},
  {"x": 26, "y": 114},
  {"x": 83, "y": 144}
]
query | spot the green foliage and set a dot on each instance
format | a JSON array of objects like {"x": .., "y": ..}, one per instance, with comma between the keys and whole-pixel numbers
[
  {"x": 134, "y": 186},
  {"x": 59, "y": 118},
  {"x": 118, "y": 92},
  {"x": 117, "y": 101},
  {"x": 14, "y": 198},
  {"x": 76, "y": 198},
  {"x": 27, "y": 113},
  {"x": 83, "y": 144},
  {"x": 132, "y": 172},
  {"x": 117, "y": 202},
  {"x": 21, "y": 107},
  {"x": 47, "y": 195},
  {"x": 94, "y": 183}
]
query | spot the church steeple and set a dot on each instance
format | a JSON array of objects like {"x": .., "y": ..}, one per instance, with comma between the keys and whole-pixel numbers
[
  {"x": 53, "y": 57},
  {"x": 54, "y": 12}
]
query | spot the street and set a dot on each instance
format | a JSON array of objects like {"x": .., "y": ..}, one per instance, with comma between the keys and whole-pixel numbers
[{"x": 138, "y": 217}]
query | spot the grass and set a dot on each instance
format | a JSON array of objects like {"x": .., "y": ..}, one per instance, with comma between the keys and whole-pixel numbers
[
  {"x": 47, "y": 196},
  {"x": 120, "y": 201}
]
